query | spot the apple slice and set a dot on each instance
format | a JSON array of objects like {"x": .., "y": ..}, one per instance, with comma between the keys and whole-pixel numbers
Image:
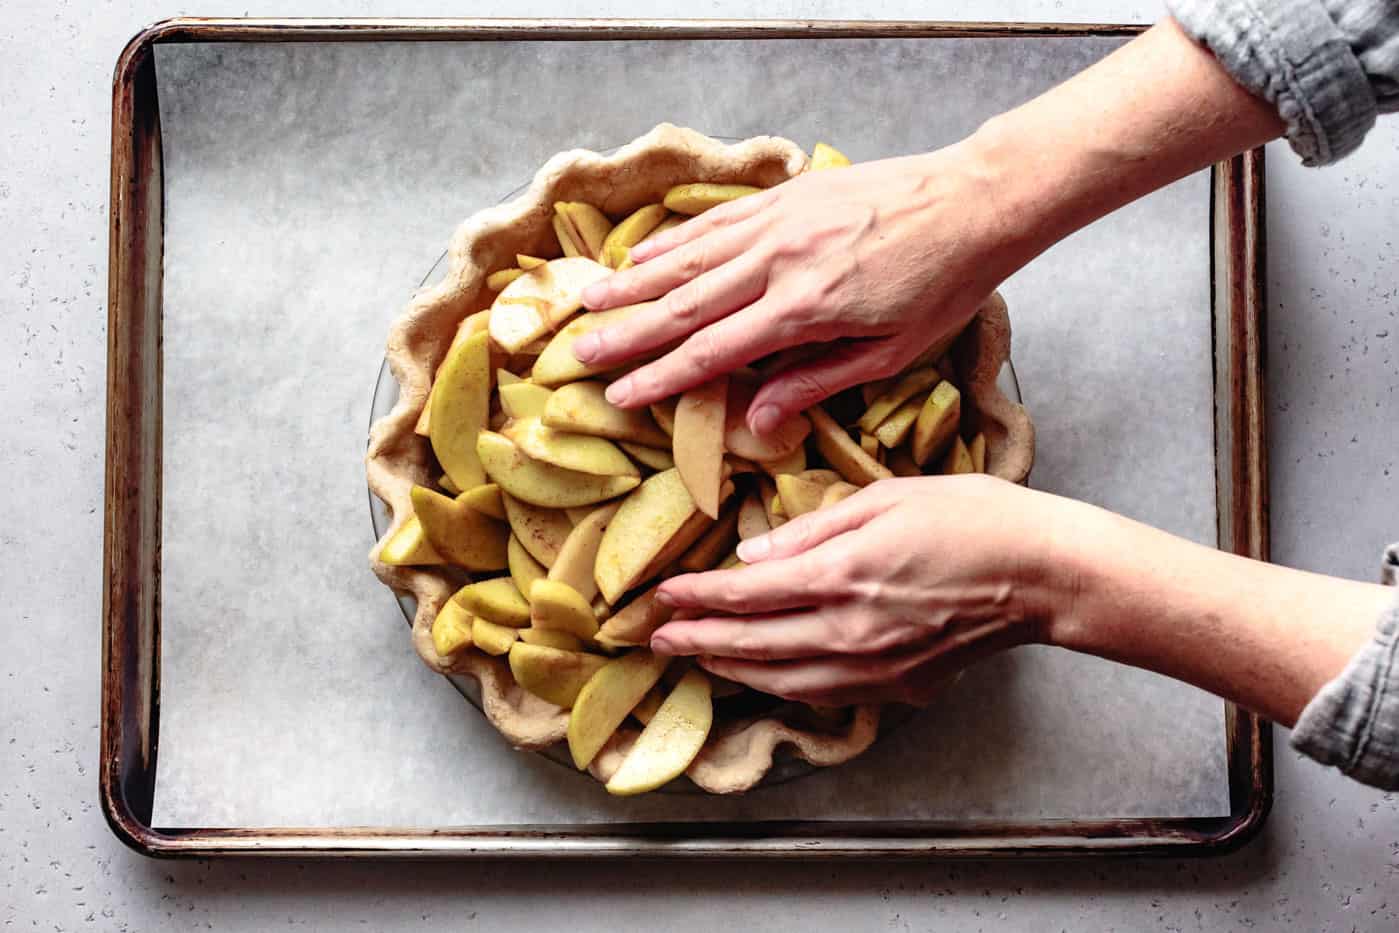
[
  {"x": 471, "y": 324},
  {"x": 451, "y": 630},
  {"x": 664, "y": 413},
  {"x": 491, "y": 638},
  {"x": 495, "y": 600},
  {"x": 578, "y": 556},
  {"x": 752, "y": 517},
  {"x": 698, "y": 442},
  {"x": 799, "y": 494},
  {"x": 582, "y": 453},
  {"x": 523, "y": 400},
  {"x": 977, "y": 450},
  {"x": 901, "y": 463},
  {"x": 541, "y": 300},
  {"x": 631, "y": 231},
  {"x": 607, "y": 698},
  {"x": 894, "y": 430},
  {"x": 959, "y": 459},
  {"x": 842, "y": 453},
  {"x": 408, "y": 546},
  {"x": 524, "y": 569},
  {"x": 909, "y": 385},
  {"x": 652, "y": 457},
  {"x": 740, "y": 440},
  {"x": 648, "y": 705},
  {"x": 551, "y": 638},
  {"x": 498, "y": 280},
  {"x": 542, "y": 483},
  {"x": 528, "y": 262},
  {"x": 541, "y": 532},
  {"x": 837, "y": 492},
  {"x": 714, "y": 545},
  {"x": 646, "y": 523},
  {"x": 670, "y": 741},
  {"x": 583, "y": 408},
  {"x": 552, "y": 674},
  {"x": 461, "y": 534},
  {"x": 698, "y": 197},
  {"x": 635, "y": 622},
  {"x": 484, "y": 499},
  {"x": 587, "y": 226},
  {"x": 559, "y": 607},
  {"x": 825, "y": 157},
  {"x": 557, "y": 365},
  {"x": 937, "y": 422},
  {"x": 793, "y": 462},
  {"x": 460, "y": 406}
]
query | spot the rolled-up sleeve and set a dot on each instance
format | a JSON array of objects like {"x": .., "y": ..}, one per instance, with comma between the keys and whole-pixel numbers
[
  {"x": 1328, "y": 66},
  {"x": 1353, "y": 722}
]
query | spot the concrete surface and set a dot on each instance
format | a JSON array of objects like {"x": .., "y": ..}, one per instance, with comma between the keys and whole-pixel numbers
[{"x": 1326, "y": 860}]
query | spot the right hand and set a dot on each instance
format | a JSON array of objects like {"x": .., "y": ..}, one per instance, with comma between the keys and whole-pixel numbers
[{"x": 875, "y": 262}]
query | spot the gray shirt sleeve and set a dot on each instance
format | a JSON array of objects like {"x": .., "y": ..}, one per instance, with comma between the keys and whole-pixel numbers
[
  {"x": 1328, "y": 66},
  {"x": 1353, "y": 722}
]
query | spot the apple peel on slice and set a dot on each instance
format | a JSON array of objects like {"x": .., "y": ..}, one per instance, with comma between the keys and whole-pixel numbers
[
  {"x": 670, "y": 741},
  {"x": 541, "y": 300},
  {"x": 606, "y": 700}
]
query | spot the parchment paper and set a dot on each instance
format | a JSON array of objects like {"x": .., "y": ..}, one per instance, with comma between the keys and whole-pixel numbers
[{"x": 309, "y": 188}]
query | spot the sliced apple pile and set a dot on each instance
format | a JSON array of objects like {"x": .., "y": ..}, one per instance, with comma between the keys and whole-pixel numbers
[{"x": 569, "y": 512}]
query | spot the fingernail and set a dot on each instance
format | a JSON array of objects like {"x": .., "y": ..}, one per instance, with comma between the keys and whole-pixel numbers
[
  {"x": 765, "y": 420},
  {"x": 595, "y": 294},
  {"x": 641, "y": 250},
  {"x": 754, "y": 549},
  {"x": 587, "y": 346},
  {"x": 662, "y": 645},
  {"x": 664, "y": 598},
  {"x": 619, "y": 391}
]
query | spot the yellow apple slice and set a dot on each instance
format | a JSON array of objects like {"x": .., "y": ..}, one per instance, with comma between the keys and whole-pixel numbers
[
  {"x": 793, "y": 462},
  {"x": 557, "y": 364},
  {"x": 524, "y": 569},
  {"x": 577, "y": 514},
  {"x": 409, "y": 547},
  {"x": 541, "y": 531},
  {"x": 492, "y": 638},
  {"x": 550, "y": 638},
  {"x": 461, "y": 534},
  {"x": 451, "y": 630},
  {"x": 653, "y": 457},
  {"x": 450, "y": 488},
  {"x": 631, "y": 231},
  {"x": 648, "y": 705},
  {"x": 582, "y": 453},
  {"x": 977, "y": 451},
  {"x": 824, "y": 157},
  {"x": 842, "y": 453},
  {"x": 607, "y": 698},
  {"x": 752, "y": 517},
  {"x": 635, "y": 622},
  {"x": 958, "y": 459},
  {"x": 646, "y": 523},
  {"x": 767, "y": 490},
  {"x": 799, "y": 494},
  {"x": 578, "y": 556},
  {"x": 559, "y": 607},
  {"x": 714, "y": 545},
  {"x": 485, "y": 499},
  {"x": 523, "y": 400},
  {"x": 587, "y": 226},
  {"x": 937, "y": 422},
  {"x": 664, "y": 413},
  {"x": 528, "y": 262},
  {"x": 568, "y": 239},
  {"x": 544, "y": 484},
  {"x": 901, "y": 463},
  {"x": 460, "y": 405},
  {"x": 670, "y": 223},
  {"x": 554, "y": 675},
  {"x": 472, "y": 324},
  {"x": 895, "y": 429},
  {"x": 699, "y": 197},
  {"x": 495, "y": 600},
  {"x": 698, "y": 443},
  {"x": 739, "y": 439},
  {"x": 498, "y": 280},
  {"x": 909, "y": 385},
  {"x": 583, "y": 408},
  {"x": 670, "y": 741},
  {"x": 837, "y": 492},
  {"x": 540, "y": 300},
  {"x": 870, "y": 444}
]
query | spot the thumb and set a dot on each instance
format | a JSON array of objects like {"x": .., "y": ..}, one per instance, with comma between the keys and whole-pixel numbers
[
  {"x": 814, "y": 528},
  {"x": 792, "y": 391}
]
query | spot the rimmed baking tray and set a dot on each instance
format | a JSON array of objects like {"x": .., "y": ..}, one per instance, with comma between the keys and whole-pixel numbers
[{"x": 132, "y": 563}]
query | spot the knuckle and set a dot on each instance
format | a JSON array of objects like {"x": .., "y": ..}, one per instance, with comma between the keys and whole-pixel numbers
[
  {"x": 704, "y": 352},
  {"x": 692, "y": 260},
  {"x": 683, "y": 304}
]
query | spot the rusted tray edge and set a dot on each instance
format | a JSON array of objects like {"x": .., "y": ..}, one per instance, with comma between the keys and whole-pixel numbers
[{"x": 131, "y": 616}]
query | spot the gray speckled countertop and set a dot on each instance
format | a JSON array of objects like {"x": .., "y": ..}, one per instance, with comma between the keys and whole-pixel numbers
[{"x": 1325, "y": 861}]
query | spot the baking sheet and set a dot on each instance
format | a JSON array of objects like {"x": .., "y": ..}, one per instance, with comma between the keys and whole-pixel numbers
[{"x": 309, "y": 187}]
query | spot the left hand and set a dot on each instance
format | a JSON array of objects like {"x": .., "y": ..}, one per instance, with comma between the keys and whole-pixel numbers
[{"x": 882, "y": 596}]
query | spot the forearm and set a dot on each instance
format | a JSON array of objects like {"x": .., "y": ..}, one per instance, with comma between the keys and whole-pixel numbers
[
  {"x": 1264, "y": 636},
  {"x": 1152, "y": 112}
]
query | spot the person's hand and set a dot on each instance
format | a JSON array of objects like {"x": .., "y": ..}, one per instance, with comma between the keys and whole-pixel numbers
[
  {"x": 881, "y": 596},
  {"x": 884, "y": 257}
]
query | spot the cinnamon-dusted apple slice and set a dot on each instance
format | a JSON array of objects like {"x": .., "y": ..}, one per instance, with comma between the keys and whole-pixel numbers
[
  {"x": 635, "y": 622},
  {"x": 495, "y": 600},
  {"x": 793, "y": 462},
  {"x": 558, "y": 606},
  {"x": 578, "y": 556},
  {"x": 498, "y": 280},
  {"x": 492, "y": 638},
  {"x": 451, "y": 630},
  {"x": 551, "y": 638},
  {"x": 524, "y": 569},
  {"x": 540, "y": 531},
  {"x": 580, "y": 452},
  {"x": 460, "y": 406},
  {"x": 670, "y": 741},
  {"x": 714, "y": 545},
  {"x": 409, "y": 547},
  {"x": 842, "y": 453},
  {"x": 485, "y": 499},
  {"x": 958, "y": 459},
  {"x": 607, "y": 698},
  {"x": 631, "y": 231},
  {"x": 587, "y": 227},
  {"x": 557, "y": 365},
  {"x": 461, "y": 534},
  {"x": 698, "y": 197},
  {"x": 653, "y": 457},
  {"x": 472, "y": 324},
  {"x": 937, "y": 422},
  {"x": 644, "y": 710},
  {"x": 698, "y": 443},
  {"x": 895, "y": 429},
  {"x": 552, "y": 674},
  {"x": 649, "y": 519},
  {"x": 583, "y": 408},
  {"x": 752, "y": 517},
  {"x": 542, "y": 483},
  {"x": 664, "y": 413},
  {"x": 801, "y": 494},
  {"x": 541, "y": 300},
  {"x": 523, "y": 399}
]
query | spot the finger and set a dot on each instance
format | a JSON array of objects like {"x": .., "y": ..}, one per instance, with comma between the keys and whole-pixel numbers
[
  {"x": 655, "y": 278},
  {"x": 794, "y": 390},
  {"x": 821, "y": 679},
  {"x": 772, "y": 637},
  {"x": 713, "y": 351},
  {"x": 699, "y": 302},
  {"x": 725, "y": 215},
  {"x": 773, "y": 586},
  {"x": 807, "y": 531}
]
